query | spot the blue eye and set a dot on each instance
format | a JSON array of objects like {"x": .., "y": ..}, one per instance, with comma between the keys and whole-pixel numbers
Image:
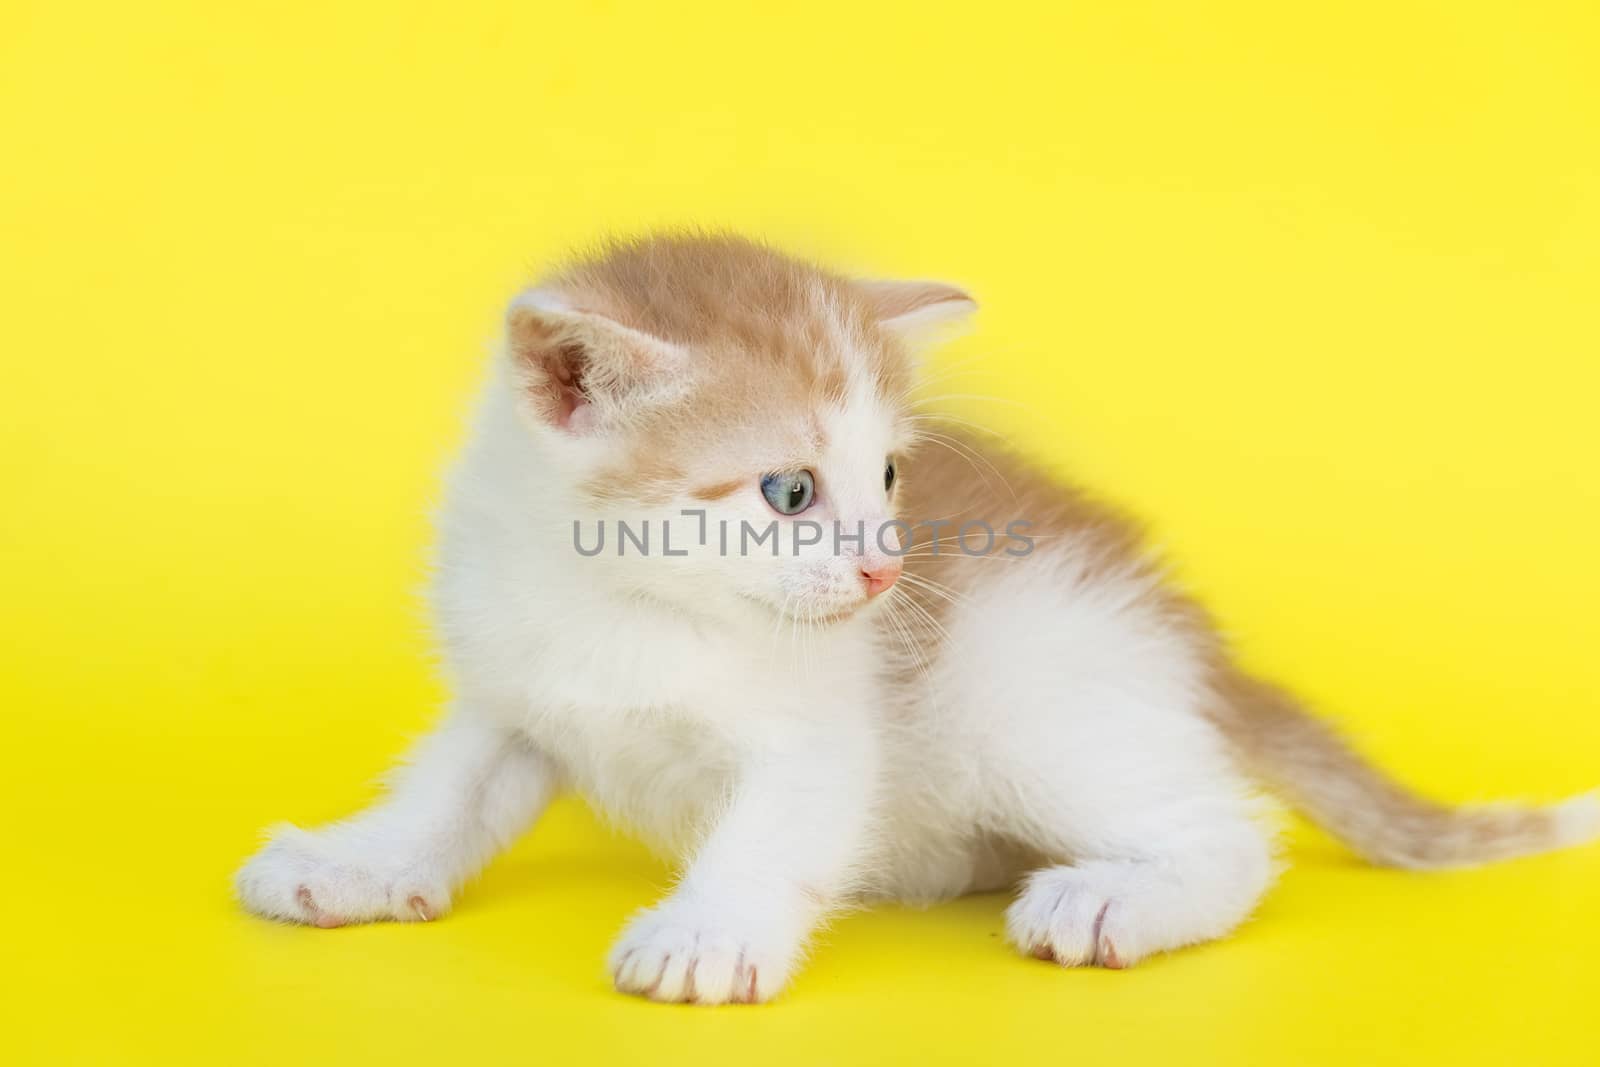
[{"x": 789, "y": 493}]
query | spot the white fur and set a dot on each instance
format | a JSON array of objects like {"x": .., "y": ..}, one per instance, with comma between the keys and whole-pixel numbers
[{"x": 1057, "y": 732}]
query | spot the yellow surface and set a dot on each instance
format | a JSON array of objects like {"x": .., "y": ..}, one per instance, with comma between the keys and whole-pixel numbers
[{"x": 1312, "y": 287}]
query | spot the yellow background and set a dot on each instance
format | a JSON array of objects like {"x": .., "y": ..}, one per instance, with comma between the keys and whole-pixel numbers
[{"x": 1314, "y": 290}]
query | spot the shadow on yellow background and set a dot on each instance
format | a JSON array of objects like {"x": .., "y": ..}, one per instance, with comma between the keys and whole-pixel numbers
[{"x": 1316, "y": 292}]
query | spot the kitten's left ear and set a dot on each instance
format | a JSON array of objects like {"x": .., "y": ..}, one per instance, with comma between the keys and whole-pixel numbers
[{"x": 918, "y": 312}]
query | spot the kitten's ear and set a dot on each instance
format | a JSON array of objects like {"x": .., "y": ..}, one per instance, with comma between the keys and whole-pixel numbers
[
  {"x": 918, "y": 312},
  {"x": 583, "y": 371}
]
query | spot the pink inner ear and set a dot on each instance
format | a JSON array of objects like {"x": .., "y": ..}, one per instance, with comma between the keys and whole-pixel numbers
[
  {"x": 576, "y": 414},
  {"x": 572, "y": 409}
]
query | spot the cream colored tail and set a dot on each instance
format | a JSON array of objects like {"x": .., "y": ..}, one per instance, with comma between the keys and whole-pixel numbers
[{"x": 1303, "y": 760}]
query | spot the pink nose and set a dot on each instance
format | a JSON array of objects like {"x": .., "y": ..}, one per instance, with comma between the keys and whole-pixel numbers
[{"x": 880, "y": 576}]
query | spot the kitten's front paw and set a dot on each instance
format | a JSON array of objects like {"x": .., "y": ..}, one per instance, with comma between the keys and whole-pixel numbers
[
  {"x": 330, "y": 879},
  {"x": 680, "y": 953}
]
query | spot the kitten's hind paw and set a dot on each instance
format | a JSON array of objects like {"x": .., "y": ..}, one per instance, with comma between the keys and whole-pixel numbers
[
  {"x": 1106, "y": 915},
  {"x": 327, "y": 880},
  {"x": 1114, "y": 913}
]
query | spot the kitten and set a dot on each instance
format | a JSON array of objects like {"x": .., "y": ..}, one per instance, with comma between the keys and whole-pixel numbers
[{"x": 896, "y": 715}]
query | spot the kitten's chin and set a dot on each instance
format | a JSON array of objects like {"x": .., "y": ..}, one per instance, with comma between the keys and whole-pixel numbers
[{"x": 831, "y": 615}]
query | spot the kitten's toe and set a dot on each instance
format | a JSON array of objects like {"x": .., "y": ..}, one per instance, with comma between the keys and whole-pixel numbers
[
  {"x": 311, "y": 879},
  {"x": 313, "y": 913},
  {"x": 680, "y": 958}
]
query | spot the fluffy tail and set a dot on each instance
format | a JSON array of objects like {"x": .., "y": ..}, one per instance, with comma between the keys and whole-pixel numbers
[{"x": 1302, "y": 759}]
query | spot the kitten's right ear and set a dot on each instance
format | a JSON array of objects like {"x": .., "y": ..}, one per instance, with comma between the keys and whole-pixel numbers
[
  {"x": 918, "y": 313},
  {"x": 581, "y": 370}
]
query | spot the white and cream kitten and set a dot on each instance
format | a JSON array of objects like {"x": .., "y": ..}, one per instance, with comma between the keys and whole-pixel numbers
[{"x": 899, "y": 716}]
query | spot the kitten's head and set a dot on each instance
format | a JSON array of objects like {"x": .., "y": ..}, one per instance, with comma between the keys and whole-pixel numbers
[{"x": 712, "y": 374}]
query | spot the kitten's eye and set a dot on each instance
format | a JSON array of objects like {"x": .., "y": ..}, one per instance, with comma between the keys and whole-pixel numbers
[
  {"x": 790, "y": 493},
  {"x": 888, "y": 476}
]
